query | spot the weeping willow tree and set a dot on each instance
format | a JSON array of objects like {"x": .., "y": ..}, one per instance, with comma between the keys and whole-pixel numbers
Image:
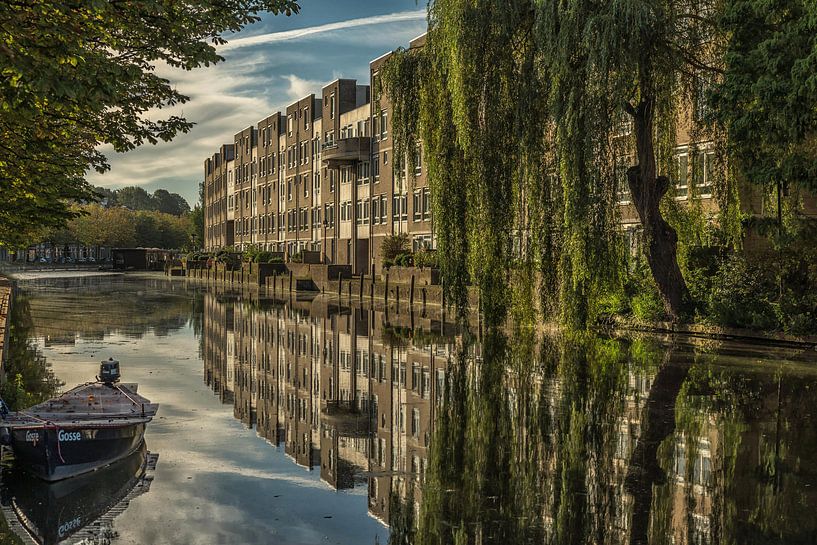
[{"x": 519, "y": 109}]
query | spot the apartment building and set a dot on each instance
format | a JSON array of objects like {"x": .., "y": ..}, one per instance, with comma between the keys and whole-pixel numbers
[{"x": 317, "y": 179}]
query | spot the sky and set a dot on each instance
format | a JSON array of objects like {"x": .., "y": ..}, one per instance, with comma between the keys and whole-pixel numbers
[{"x": 267, "y": 66}]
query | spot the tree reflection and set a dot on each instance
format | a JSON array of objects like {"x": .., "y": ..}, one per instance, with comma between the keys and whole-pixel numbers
[
  {"x": 29, "y": 378},
  {"x": 513, "y": 436}
]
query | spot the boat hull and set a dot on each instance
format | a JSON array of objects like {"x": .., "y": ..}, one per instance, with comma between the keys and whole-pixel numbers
[
  {"x": 53, "y": 454},
  {"x": 52, "y": 512}
]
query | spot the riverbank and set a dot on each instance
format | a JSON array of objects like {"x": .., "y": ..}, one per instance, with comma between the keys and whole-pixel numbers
[
  {"x": 385, "y": 293},
  {"x": 6, "y": 300}
]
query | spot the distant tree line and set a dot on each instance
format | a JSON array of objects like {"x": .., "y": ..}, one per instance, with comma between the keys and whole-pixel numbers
[
  {"x": 137, "y": 198},
  {"x": 117, "y": 226}
]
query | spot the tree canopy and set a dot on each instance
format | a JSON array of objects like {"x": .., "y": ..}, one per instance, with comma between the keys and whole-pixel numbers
[
  {"x": 530, "y": 113},
  {"x": 75, "y": 74},
  {"x": 767, "y": 96},
  {"x": 116, "y": 226}
]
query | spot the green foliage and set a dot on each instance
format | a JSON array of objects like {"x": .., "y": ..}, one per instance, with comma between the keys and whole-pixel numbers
[
  {"x": 29, "y": 378},
  {"x": 740, "y": 295},
  {"x": 229, "y": 258},
  {"x": 518, "y": 106},
  {"x": 251, "y": 253},
  {"x": 426, "y": 258},
  {"x": 405, "y": 259},
  {"x": 296, "y": 258},
  {"x": 645, "y": 301},
  {"x": 765, "y": 100},
  {"x": 116, "y": 226},
  {"x": 268, "y": 257},
  {"x": 394, "y": 245},
  {"x": 77, "y": 75}
]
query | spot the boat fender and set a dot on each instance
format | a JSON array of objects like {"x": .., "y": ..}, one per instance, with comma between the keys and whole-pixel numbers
[{"x": 5, "y": 436}]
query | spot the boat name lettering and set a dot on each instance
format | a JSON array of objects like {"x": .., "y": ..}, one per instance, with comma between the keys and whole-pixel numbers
[
  {"x": 32, "y": 436},
  {"x": 68, "y": 526},
  {"x": 69, "y": 435}
]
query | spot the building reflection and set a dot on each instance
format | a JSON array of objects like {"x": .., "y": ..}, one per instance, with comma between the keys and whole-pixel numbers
[{"x": 552, "y": 441}]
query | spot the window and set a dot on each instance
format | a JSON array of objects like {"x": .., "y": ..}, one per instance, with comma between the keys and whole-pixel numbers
[
  {"x": 332, "y": 106},
  {"x": 418, "y": 161},
  {"x": 362, "y": 207},
  {"x": 385, "y": 157},
  {"x": 306, "y": 118},
  {"x": 384, "y": 123},
  {"x": 289, "y": 125},
  {"x": 376, "y": 168},
  {"x": 680, "y": 167},
  {"x": 346, "y": 211},
  {"x": 415, "y": 423},
  {"x": 399, "y": 207},
  {"x": 417, "y": 205},
  {"x": 703, "y": 172},
  {"x": 329, "y": 214}
]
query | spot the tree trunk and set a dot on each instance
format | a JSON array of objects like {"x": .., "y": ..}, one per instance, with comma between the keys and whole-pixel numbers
[
  {"x": 647, "y": 190},
  {"x": 657, "y": 424}
]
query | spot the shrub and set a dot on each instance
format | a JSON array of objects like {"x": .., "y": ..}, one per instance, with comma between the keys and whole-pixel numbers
[
  {"x": 645, "y": 301},
  {"x": 426, "y": 258},
  {"x": 251, "y": 253},
  {"x": 296, "y": 258},
  {"x": 266, "y": 257},
  {"x": 648, "y": 306},
  {"x": 388, "y": 263},
  {"x": 394, "y": 245},
  {"x": 740, "y": 295},
  {"x": 404, "y": 260}
]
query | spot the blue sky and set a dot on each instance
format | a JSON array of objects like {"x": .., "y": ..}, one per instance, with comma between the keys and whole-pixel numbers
[{"x": 268, "y": 66}]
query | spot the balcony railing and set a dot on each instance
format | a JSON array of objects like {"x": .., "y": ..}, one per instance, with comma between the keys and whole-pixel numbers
[{"x": 346, "y": 150}]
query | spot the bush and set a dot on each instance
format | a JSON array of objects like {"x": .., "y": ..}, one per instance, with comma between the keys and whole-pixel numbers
[
  {"x": 267, "y": 257},
  {"x": 251, "y": 253},
  {"x": 404, "y": 260},
  {"x": 740, "y": 295},
  {"x": 426, "y": 258},
  {"x": 231, "y": 261},
  {"x": 394, "y": 245},
  {"x": 648, "y": 306},
  {"x": 388, "y": 263},
  {"x": 296, "y": 258},
  {"x": 645, "y": 301}
]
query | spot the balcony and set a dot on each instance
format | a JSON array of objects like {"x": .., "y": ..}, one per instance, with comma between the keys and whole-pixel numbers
[{"x": 346, "y": 151}]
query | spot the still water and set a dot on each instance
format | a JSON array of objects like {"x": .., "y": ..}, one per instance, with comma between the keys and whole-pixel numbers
[{"x": 306, "y": 421}]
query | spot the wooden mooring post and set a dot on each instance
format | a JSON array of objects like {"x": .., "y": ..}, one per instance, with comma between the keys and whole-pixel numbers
[{"x": 411, "y": 291}]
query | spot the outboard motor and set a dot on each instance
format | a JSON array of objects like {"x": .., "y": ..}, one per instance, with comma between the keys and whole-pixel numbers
[{"x": 109, "y": 372}]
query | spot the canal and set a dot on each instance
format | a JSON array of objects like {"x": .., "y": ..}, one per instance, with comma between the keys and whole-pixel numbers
[{"x": 308, "y": 421}]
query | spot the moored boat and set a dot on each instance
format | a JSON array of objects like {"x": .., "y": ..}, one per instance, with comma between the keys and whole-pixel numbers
[{"x": 87, "y": 427}]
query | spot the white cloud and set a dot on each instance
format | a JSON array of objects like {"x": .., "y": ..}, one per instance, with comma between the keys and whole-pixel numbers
[
  {"x": 298, "y": 33},
  {"x": 249, "y": 86},
  {"x": 300, "y": 87}
]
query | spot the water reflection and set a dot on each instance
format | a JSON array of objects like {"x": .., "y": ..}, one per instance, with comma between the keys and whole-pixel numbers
[
  {"x": 513, "y": 437},
  {"x": 81, "y": 509}
]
